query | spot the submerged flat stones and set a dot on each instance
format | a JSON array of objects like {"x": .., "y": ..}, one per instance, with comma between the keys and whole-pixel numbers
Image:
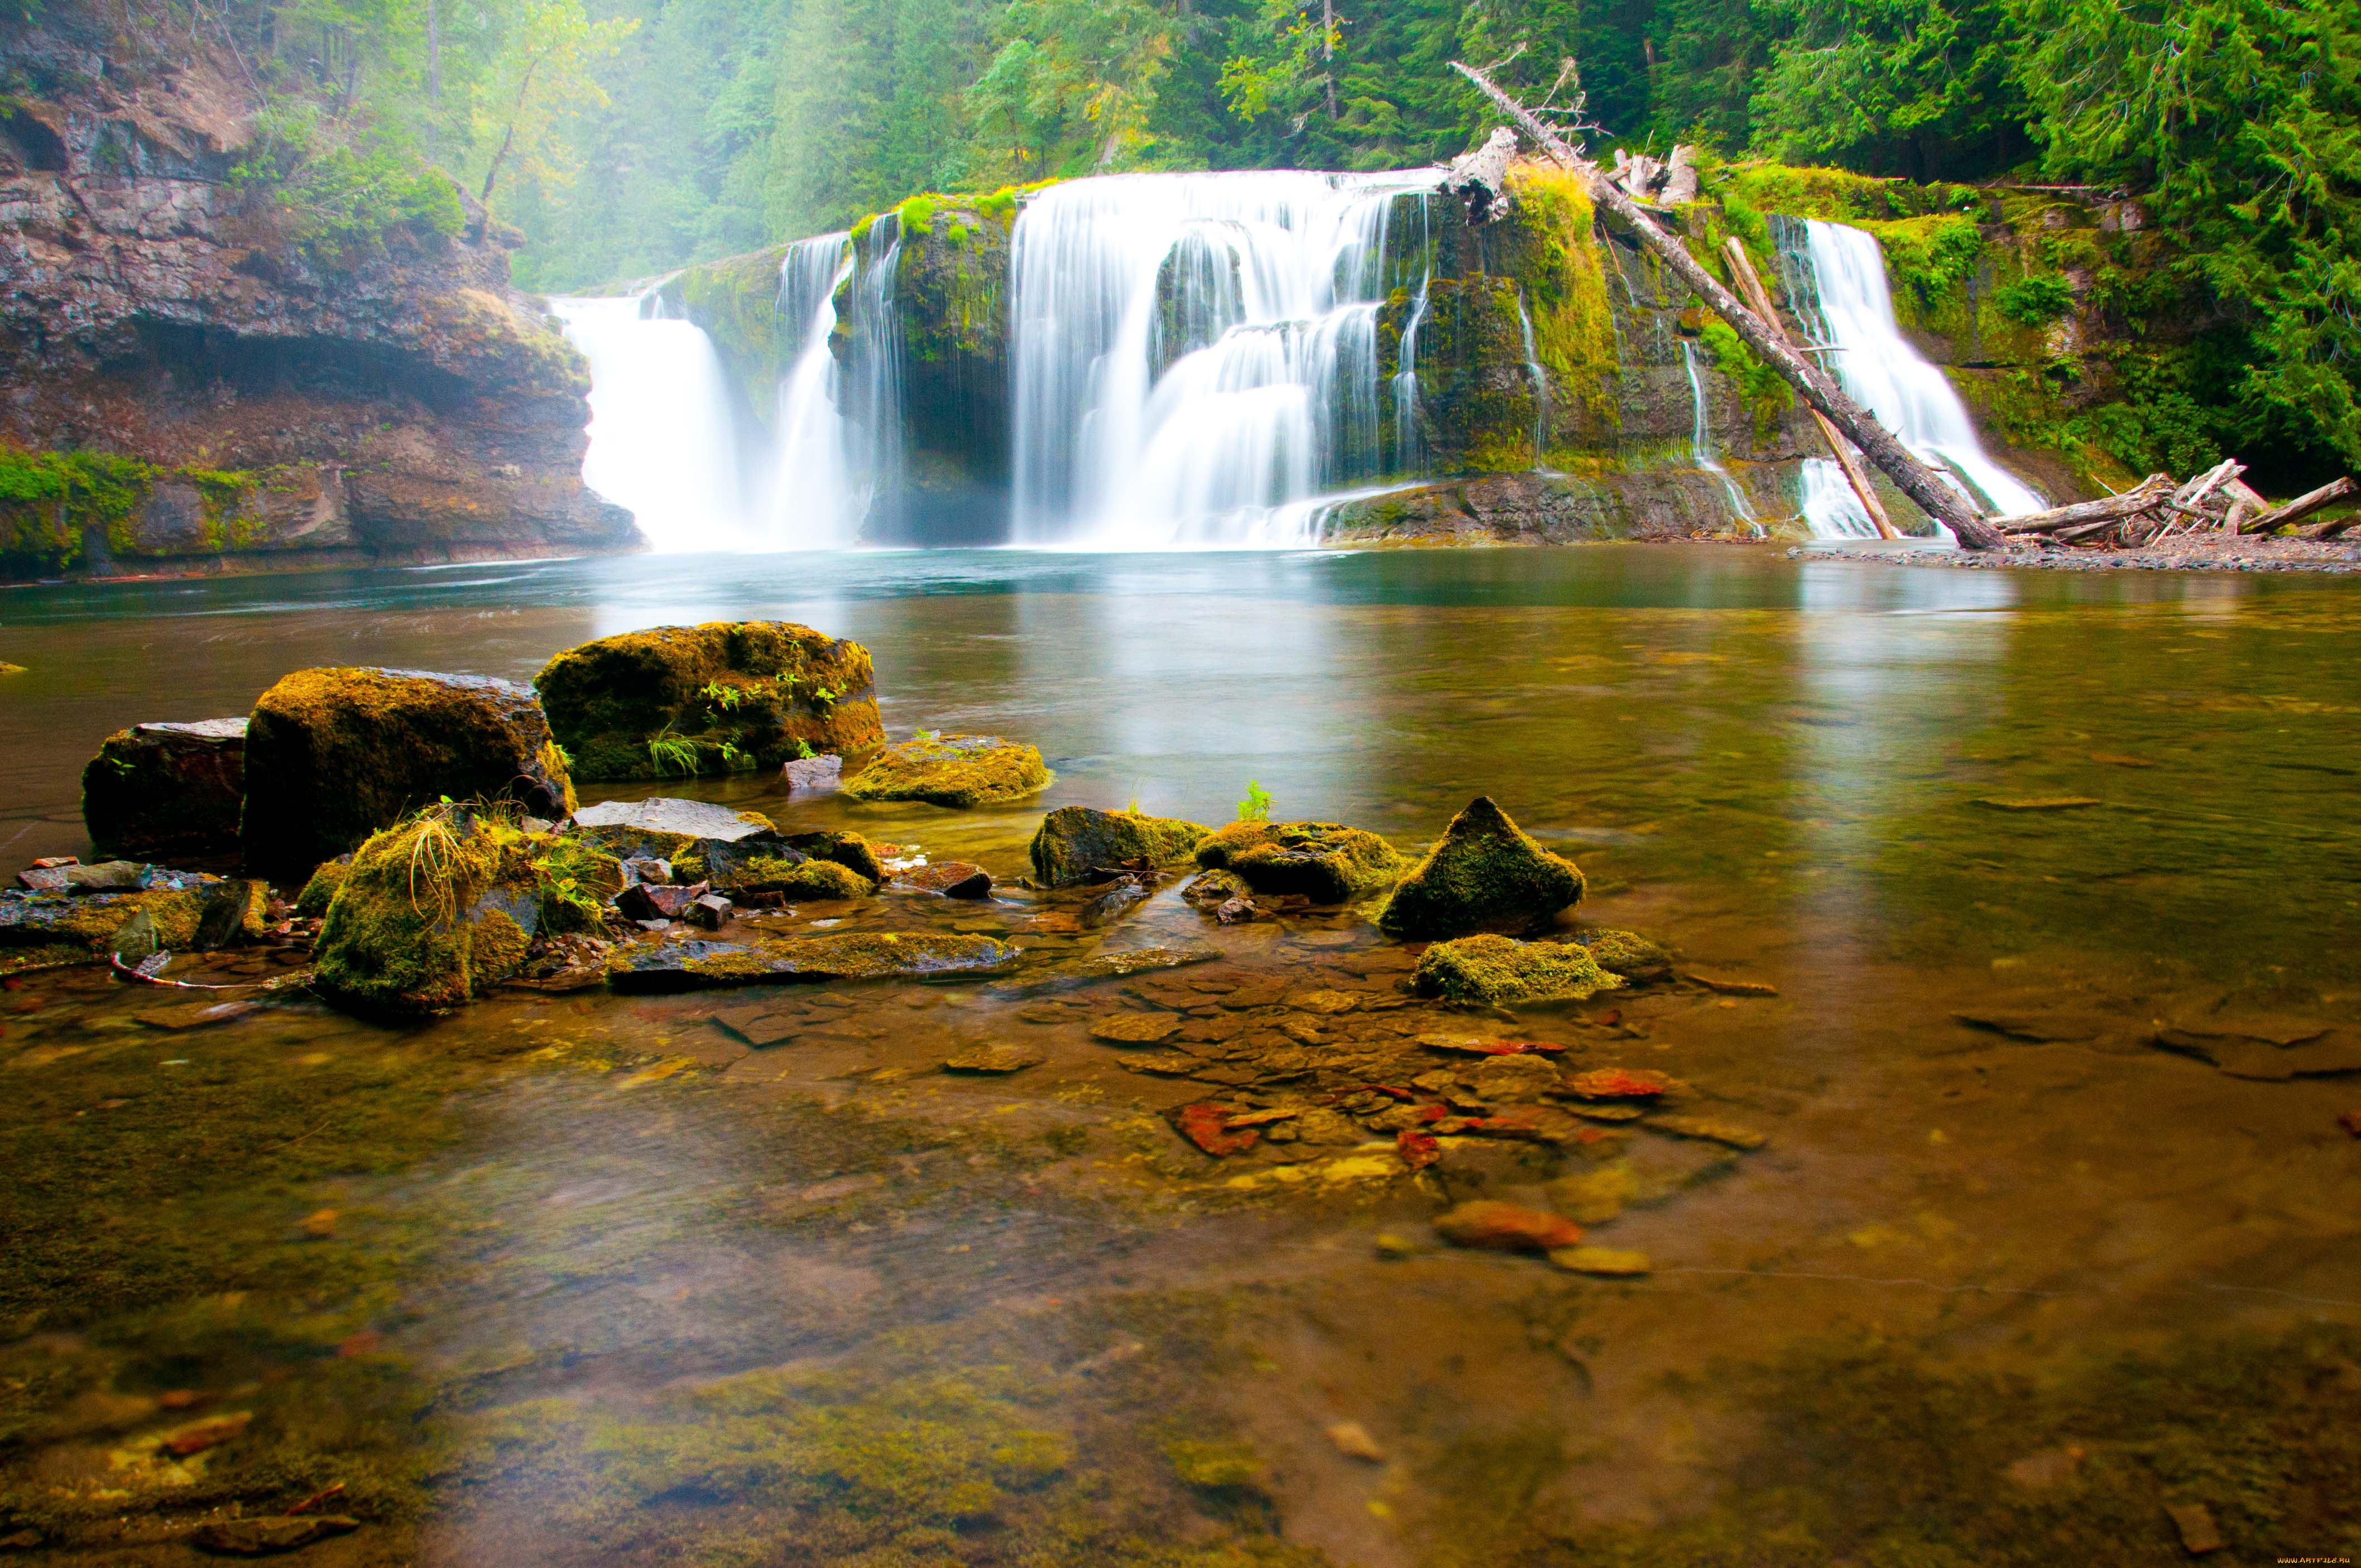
[
  {"x": 333, "y": 755},
  {"x": 167, "y": 789},
  {"x": 1324, "y": 861},
  {"x": 952, "y": 770},
  {"x": 1484, "y": 874},
  {"x": 1499, "y": 970},
  {"x": 725, "y": 696},
  {"x": 694, "y": 965},
  {"x": 1073, "y": 841}
]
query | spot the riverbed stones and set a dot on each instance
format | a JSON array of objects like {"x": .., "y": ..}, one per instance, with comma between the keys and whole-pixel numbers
[
  {"x": 168, "y": 790},
  {"x": 1484, "y": 874},
  {"x": 725, "y": 696},
  {"x": 958, "y": 770},
  {"x": 1613, "y": 1263},
  {"x": 946, "y": 879},
  {"x": 1136, "y": 1028},
  {"x": 1507, "y": 1227},
  {"x": 884, "y": 955},
  {"x": 1499, "y": 970},
  {"x": 333, "y": 755},
  {"x": 1074, "y": 841},
  {"x": 431, "y": 916},
  {"x": 1326, "y": 862}
]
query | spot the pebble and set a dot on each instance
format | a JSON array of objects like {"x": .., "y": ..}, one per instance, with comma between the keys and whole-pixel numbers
[
  {"x": 1599, "y": 1260},
  {"x": 1354, "y": 1441}
]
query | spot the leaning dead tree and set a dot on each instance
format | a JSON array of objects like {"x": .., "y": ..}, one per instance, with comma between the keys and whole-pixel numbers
[{"x": 1818, "y": 390}]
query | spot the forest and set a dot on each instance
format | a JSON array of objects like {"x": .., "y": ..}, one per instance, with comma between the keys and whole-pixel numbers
[{"x": 626, "y": 137}]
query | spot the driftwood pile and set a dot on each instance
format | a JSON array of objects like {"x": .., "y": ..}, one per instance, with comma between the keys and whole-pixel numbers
[{"x": 2214, "y": 502}]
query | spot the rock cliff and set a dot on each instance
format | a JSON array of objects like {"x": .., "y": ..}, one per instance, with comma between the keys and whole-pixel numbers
[{"x": 189, "y": 389}]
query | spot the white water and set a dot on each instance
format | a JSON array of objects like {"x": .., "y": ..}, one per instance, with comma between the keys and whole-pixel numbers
[
  {"x": 1883, "y": 372},
  {"x": 1193, "y": 352},
  {"x": 660, "y": 441},
  {"x": 817, "y": 501},
  {"x": 1701, "y": 441}
]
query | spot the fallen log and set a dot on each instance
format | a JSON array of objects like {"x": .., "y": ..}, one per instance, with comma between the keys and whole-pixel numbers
[
  {"x": 2141, "y": 497},
  {"x": 1912, "y": 477},
  {"x": 2305, "y": 505},
  {"x": 1741, "y": 266}
]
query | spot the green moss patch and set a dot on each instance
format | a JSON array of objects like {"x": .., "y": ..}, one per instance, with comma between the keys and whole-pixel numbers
[
  {"x": 1499, "y": 970},
  {"x": 1074, "y": 840},
  {"x": 1324, "y": 861},
  {"x": 1484, "y": 874},
  {"x": 952, "y": 770}
]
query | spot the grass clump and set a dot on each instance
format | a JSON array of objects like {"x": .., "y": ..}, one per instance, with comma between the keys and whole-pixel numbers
[
  {"x": 1497, "y": 971},
  {"x": 952, "y": 770}
]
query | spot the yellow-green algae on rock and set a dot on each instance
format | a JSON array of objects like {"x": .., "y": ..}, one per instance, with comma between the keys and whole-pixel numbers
[
  {"x": 1485, "y": 874},
  {"x": 725, "y": 696},
  {"x": 335, "y": 754},
  {"x": 431, "y": 914},
  {"x": 1499, "y": 969},
  {"x": 852, "y": 955},
  {"x": 1627, "y": 953},
  {"x": 320, "y": 890},
  {"x": 1324, "y": 861},
  {"x": 952, "y": 770},
  {"x": 1074, "y": 840},
  {"x": 794, "y": 879}
]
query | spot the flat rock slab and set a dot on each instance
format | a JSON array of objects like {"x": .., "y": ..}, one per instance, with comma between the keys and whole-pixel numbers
[
  {"x": 663, "y": 814},
  {"x": 269, "y": 1537},
  {"x": 198, "y": 730},
  {"x": 1136, "y": 1028},
  {"x": 759, "y": 1026},
  {"x": 699, "y": 965},
  {"x": 992, "y": 1060},
  {"x": 1120, "y": 965}
]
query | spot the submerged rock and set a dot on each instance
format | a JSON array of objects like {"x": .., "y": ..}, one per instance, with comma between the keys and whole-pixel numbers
[
  {"x": 1628, "y": 953},
  {"x": 1324, "y": 861},
  {"x": 269, "y": 1537},
  {"x": 1507, "y": 1227},
  {"x": 1499, "y": 969},
  {"x": 952, "y": 770},
  {"x": 334, "y": 755},
  {"x": 1075, "y": 840},
  {"x": 686, "y": 965},
  {"x": 432, "y": 915},
  {"x": 949, "y": 879},
  {"x": 1485, "y": 874},
  {"x": 167, "y": 789},
  {"x": 726, "y": 697}
]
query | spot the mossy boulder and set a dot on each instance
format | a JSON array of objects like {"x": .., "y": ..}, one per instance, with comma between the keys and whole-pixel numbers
[
  {"x": 799, "y": 878},
  {"x": 1627, "y": 953},
  {"x": 334, "y": 755},
  {"x": 89, "y": 922},
  {"x": 727, "y": 696},
  {"x": 1074, "y": 840},
  {"x": 1500, "y": 970},
  {"x": 952, "y": 770},
  {"x": 321, "y": 890},
  {"x": 170, "y": 790},
  {"x": 432, "y": 914},
  {"x": 850, "y": 850},
  {"x": 866, "y": 955},
  {"x": 1324, "y": 861},
  {"x": 1484, "y": 874}
]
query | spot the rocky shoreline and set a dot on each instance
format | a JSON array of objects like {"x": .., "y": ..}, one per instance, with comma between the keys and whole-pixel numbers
[{"x": 2317, "y": 556}]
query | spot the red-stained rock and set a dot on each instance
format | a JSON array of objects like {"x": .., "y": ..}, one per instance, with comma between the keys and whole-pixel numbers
[
  {"x": 1418, "y": 1150},
  {"x": 1620, "y": 1083},
  {"x": 1506, "y": 1227},
  {"x": 1207, "y": 1125}
]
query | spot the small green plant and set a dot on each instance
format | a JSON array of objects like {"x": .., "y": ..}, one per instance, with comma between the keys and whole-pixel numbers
[
  {"x": 673, "y": 753},
  {"x": 1255, "y": 806},
  {"x": 736, "y": 760},
  {"x": 725, "y": 697},
  {"x": 2035, "y": 301},
  {"x": 822, "y": 696},
  {"x": 564, "y": 757},
  {"x": 804, "y": 751},
  {"x": 1133, "y": 809},
  {"x": 929, "y": 736}
]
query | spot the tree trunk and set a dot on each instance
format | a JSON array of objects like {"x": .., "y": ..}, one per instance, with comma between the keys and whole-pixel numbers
[
  {"x": 1741, "y": 266},
  {"x": 2304, "y": 506},
  {"x": 1915, "y": 479},
  {"x": 2148, "y": 494},
  {"x": 1328, "y": 51}
]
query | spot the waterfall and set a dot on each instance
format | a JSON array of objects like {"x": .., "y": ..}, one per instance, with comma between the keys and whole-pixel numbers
[
  {"x": 661, "y": 431},
  {"x": 816, "y": 503},
  {"x": 1540, "y": 385},
  {"x": 1192, "y": 352},
  {"x": 873, "y": 410},
  {"x": 1836, "y": 279},
  {"x": 1405, "y": 383},
  {"x": 1701, "y": 442}
]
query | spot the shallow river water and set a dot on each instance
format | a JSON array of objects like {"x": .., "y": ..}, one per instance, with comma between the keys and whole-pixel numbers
[{"x": 2028, "y": 904}]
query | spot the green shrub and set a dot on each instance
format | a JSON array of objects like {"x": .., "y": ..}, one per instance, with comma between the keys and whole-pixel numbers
[{"x": 2035, "y": 301}]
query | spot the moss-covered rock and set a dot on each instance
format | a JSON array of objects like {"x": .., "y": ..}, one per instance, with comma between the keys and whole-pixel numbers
[
  {"x": 882, "y": 955},
  {"x": 1324, "y": 861},
  {"x": 321, "y": 890},
  {"x": 726, "y": 697},
  {"x": 952, "y": 770},
  {"x": 850, "y": 850},
  {"x": 1499, "y": 969},
  {"x": 1484, "y": 874},
  {"x": 432, "y": 913},
  {"x": 333, "y": 755},
  {"x": 793, "y": 879},
  {"x": 168, "y": 790},
  {"x": 1074, "y": 840},
  {"x": 1627, "y": 953},
  {"x": 89, "y": 922}
]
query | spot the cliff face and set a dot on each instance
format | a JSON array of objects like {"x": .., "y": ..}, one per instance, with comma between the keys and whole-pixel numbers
[{"x": 187, "y": 389}]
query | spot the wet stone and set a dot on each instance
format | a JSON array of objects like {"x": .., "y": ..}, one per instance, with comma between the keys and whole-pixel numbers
[
  {"x": 684, "y": 818},
  {"x": 269, "y": 1537},
  {"x": 991, "y": 1061},
  {"x": 759, "y": 1026},
  {"x": 1608, "y": 1261},
  {"x": 1135, "y": 1028},
  {"x": 1507, "y": 1227},
  {"x": 947, "y": 879}
]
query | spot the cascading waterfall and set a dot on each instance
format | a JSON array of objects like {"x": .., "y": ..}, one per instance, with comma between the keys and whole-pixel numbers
[
  {"x": 1541, "y": 384},
  {"x": 1701, "y": 441},
  {"x": 1192, "y": 352},
  {"x": 1407, "y": 455},
  {"x": 660, "y": 432},
  {"x": 872, "y": 411},
  {"x": 1836, "y": 279},
  {"x": 817, "y": 502}
]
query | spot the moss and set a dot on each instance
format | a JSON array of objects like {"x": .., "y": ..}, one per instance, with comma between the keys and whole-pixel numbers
[
  {"x": 1564, "y": 277},
  {"x": 407, "y": 933},
  {"x": 1837, "y": 194},
  {"x": 1477, "y": 403},
  {"x": 1074, "y": 840},
  {"x": 853, "y": 955},
  {"x": 850, "y": 851},
  {"x": 1484, "y": 874},
  {"x": 1627, "y": 953},
  {"x": 1215, "y": 1466},
  {"x": 764, "y": 689},
  {"x": 92, "y": 919},
  {"x": 796, "y": 878},
  {"x": 1498, "y": 970},
  {"x": 1324, "y": 861},
  {"x": 734, "y": 302},
  {"x": 1762, "y": 390},
  {"x": 952, "y": 770},
  {"x": 577, "y": 880},
  {"x": 45, "y": 955},
  {"x": 918, "y": 214}
]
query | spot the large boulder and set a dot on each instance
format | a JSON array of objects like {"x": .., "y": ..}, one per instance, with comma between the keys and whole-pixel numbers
[
  {"x": 1500, "y": 970},
  {"x": 333, "y": 755},
  {"x": 1324, "y": 861},
  {"x": 952, "y": 770},
  {"x": 432, "y": 914},
  {"x": 726, "y": 697},
  {"x": 1075, "y": 840},
  {"x": 1484, "y": 874},
  {"x": 166, "y": 789}
]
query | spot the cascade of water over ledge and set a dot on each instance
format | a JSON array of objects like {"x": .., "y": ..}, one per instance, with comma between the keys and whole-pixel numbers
[
  {"x": 1701, "y": 441},
  {"x": 1836, "y": 279},
  {"x": 818, "y": 501},
  {"x": 1192, "y": 352},
  {"x": 662, "y": 441}
]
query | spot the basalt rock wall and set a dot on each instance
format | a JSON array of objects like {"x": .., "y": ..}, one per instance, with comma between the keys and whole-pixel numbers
[{"x": 189, "y": 388}]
